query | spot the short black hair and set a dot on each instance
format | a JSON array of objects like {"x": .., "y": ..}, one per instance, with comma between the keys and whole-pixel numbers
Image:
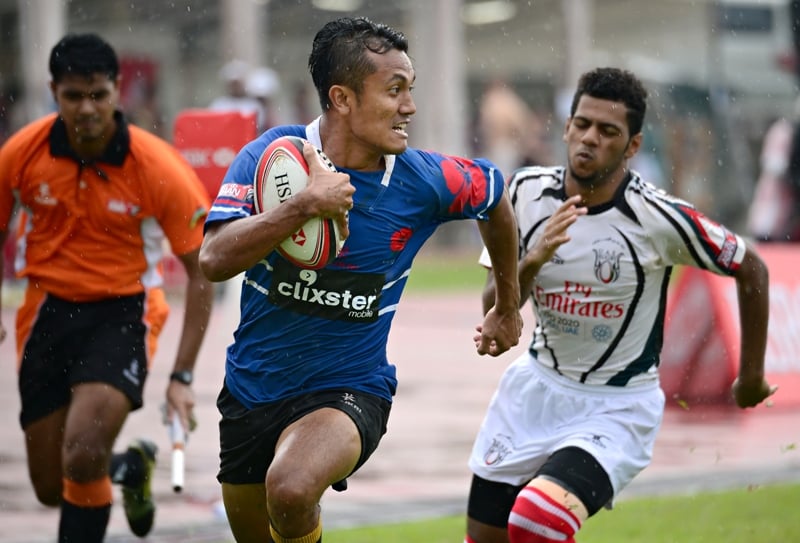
[
  {"x": 84, "y": 55},
  {"x": 338, "y": 54},
  {"x": 618, "y": 86}
]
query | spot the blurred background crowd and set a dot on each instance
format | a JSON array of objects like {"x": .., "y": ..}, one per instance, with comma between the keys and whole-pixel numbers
[{"x": 494, "y": 78}]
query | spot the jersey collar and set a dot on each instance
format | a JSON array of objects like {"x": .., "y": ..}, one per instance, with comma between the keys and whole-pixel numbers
[
  {"x": 313, "y": 135},
  {"x": 115, "y": 152}
]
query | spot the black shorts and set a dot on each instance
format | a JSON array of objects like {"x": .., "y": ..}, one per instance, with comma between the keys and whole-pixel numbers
[
  {"x": 248, "y": 436},
  {"x": 84, "y": 342}
]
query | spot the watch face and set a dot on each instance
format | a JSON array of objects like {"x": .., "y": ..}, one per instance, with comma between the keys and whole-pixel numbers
[{"x": 184, "y": 377}]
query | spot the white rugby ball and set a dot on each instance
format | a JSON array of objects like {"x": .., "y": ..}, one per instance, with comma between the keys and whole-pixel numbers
[{"x": 281, "y": 173}]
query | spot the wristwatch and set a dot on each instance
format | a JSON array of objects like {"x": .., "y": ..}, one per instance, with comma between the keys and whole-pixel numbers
[{"x": 184, "y": 376}]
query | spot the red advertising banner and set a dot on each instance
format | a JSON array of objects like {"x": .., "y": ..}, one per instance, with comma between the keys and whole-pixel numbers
[
  {"x": 700, "y": 358},
  {"x": 210, "y": 140}
]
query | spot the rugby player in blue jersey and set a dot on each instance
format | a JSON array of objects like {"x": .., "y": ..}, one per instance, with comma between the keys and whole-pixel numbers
[
  {"x": 308, "y": 387},
  {"x": 574, "y": 419}
]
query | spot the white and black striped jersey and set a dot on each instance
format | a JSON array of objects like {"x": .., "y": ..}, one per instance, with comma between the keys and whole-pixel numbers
[{"x": 600, "y": 302}]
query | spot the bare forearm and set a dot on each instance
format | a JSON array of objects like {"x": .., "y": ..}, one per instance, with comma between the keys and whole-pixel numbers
[
  {"x": 752, "y": 283},
  {"x": 487, "y": 296},
  {"x": 528, "y": 270},
  {"x": 199, "y": 299},
  {"x": 233, "y": 247},
  {"x": 501, "y": 240},
  {"x": 197, "y": 310}
]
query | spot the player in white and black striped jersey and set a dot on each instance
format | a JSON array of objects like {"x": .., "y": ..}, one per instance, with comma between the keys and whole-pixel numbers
[{"x": 575, "y": 418}]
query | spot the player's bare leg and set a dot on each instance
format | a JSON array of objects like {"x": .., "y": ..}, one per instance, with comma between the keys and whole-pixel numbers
[
  {"x": 68, "y": 458},
  {"x": 44, "y": 439},
  {"x": 312, "y": 453},
  {"x": 95, "y": 418},
  {"x": 562, "y": 501}
]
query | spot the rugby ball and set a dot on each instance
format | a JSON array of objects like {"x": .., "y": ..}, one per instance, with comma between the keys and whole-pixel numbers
[{"x": 281, "y": 173}]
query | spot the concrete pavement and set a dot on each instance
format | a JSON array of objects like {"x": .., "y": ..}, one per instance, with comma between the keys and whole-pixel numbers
[{"x": 420, "y": 468}]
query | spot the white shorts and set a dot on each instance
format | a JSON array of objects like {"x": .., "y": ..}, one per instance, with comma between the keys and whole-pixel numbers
[{"x": 535, "y": 412}]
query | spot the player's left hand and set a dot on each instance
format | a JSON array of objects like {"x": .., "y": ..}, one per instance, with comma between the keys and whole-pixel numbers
[
  {"x": 555, "y": 232},
  {"x": 750, "y": 393}
]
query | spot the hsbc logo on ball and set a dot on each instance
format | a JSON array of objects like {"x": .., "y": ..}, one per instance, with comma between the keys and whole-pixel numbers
[{"x": 216, "y": 157}]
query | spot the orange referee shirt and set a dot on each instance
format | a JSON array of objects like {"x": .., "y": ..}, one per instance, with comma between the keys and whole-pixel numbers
[
  {"x": 97, "y": 230},
  {"x": 90, "y": 231}
]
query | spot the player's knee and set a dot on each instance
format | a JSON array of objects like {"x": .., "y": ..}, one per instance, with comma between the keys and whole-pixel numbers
[
  {"x": 85, "y": 462},
  {"x": 290, "y": 491},
  {"x": 537, "y": 518}
]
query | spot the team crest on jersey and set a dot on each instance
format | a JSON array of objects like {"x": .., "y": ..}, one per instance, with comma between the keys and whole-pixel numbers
[
  {"x": 500, "y": 448},
  {"x": 606, "y": 264}
]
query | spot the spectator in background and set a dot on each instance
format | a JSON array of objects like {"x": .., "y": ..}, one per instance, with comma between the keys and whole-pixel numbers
[
  {"x": 775, "y": 212},
  {"x": 509, "y": 132},
  {"x": 303, "y": 98},
  {"x": 263, "y": 84},
  {"x": 234, "y": 76},
  {"x": 142, "y": 107},
  {"x": 536, "y": 148},
  {"x": 501, "y": 125}
]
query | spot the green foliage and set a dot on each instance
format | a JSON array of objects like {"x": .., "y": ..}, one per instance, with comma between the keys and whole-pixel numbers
[{"x": 752, "y": 515}]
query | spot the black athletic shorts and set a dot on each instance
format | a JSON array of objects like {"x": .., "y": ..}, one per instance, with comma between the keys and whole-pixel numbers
[
  {"x": 73, "y": 343},
  {"x": 248, "y": 436}
]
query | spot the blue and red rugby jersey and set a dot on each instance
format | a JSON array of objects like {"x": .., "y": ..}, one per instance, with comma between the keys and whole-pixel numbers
[{"x": 306, "y": 330}]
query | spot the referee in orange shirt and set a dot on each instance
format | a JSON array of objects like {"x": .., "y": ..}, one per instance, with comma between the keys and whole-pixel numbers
[{"x": 98, "y": 198}]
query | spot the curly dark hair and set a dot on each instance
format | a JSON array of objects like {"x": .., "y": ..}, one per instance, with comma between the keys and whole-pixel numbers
[
  {"x": 618, "y": 86},
  {"x": 338, "y": 54},
  {"x": 84, "y": 55}
]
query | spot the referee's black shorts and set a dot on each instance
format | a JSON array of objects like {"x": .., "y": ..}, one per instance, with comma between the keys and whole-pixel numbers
[{"x": 81, "y": 342}]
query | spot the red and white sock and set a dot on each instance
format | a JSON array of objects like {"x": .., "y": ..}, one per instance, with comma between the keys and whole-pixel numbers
[{"x": 537, "y": 518}]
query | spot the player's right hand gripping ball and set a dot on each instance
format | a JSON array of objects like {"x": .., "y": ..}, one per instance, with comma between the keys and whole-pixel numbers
[{"x": 281, "y": 173}]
